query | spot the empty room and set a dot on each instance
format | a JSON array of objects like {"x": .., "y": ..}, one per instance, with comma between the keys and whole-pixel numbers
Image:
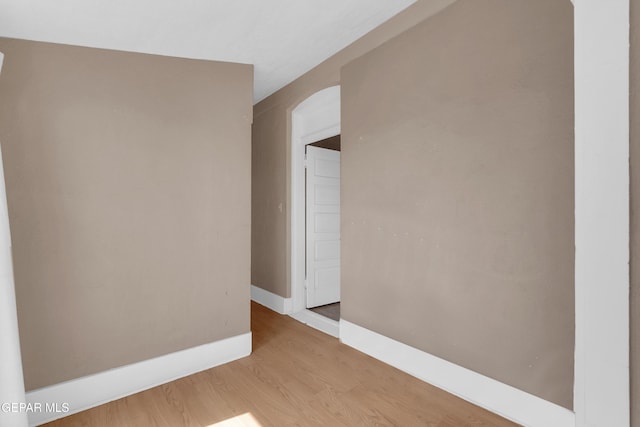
[{"x": 319, "y": 213}]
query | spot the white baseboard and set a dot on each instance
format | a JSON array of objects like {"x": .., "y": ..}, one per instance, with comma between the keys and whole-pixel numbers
[
  {"x": 317, "y": 321},
  {"x": 93, "y": 390},
  {"x": 502, "y": 399},
  {"x": 270, "y": 300}
]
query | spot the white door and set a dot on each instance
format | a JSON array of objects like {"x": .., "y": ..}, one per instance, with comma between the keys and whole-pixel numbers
[{"x": 323, "y": 226}]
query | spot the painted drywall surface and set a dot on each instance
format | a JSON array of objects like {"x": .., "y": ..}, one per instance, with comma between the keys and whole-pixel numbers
[
  {"x": 128, "y": 184},
  {"x": 268, "y": 220},
  {"x": 635, "y": 211},
  {"x": 271, "y": 145},
  {"x": 457, "y": 191}
]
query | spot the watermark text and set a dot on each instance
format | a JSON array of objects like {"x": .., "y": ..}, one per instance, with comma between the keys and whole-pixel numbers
[{"x": 34, "y": 407}]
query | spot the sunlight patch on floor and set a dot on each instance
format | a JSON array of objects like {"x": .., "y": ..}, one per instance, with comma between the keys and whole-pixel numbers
[{"x": 244, "y": 420}]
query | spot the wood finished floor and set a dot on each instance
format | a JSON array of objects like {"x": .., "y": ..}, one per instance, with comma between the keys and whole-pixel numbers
[{"x": 296, "y": 376}]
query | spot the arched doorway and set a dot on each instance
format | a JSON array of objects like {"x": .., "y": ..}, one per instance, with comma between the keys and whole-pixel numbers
[{"x": 314, "y": 119}]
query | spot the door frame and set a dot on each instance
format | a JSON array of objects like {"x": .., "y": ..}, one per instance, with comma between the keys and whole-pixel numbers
[
  {"x": 11, "y": 375},
  {"x": 314, "y": 119},
  {"x": 601, "y": 63}
]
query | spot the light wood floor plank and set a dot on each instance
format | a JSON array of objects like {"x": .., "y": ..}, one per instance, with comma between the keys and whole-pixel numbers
[{"x": 296, "y": 376}]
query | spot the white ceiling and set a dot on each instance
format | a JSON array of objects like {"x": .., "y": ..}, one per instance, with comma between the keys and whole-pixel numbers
[{"x": 282, "y": 38}]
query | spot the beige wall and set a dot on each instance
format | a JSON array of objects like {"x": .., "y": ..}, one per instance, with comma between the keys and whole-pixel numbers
[
  {"x": 129, "y": 200},
  {"x": 457, "y": 191},
  {"x": 268, "y": 202},
  {"x": 271, "y": 143},
  {"x": 635, "y": 213}
]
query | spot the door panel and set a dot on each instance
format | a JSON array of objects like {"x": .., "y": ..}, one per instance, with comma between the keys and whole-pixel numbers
[
  {"x": 323, "y": 226},
  {"x": 326, "y": 223},
  {"x": 326, "y": 250},
  {"x": 327, "y": 194},
  {"x": 327, "y": 168}
]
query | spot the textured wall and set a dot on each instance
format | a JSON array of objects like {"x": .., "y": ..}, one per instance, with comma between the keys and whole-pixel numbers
[
  {"x": 128, "y": 182},
  {"x": 457, "y": 191}
]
